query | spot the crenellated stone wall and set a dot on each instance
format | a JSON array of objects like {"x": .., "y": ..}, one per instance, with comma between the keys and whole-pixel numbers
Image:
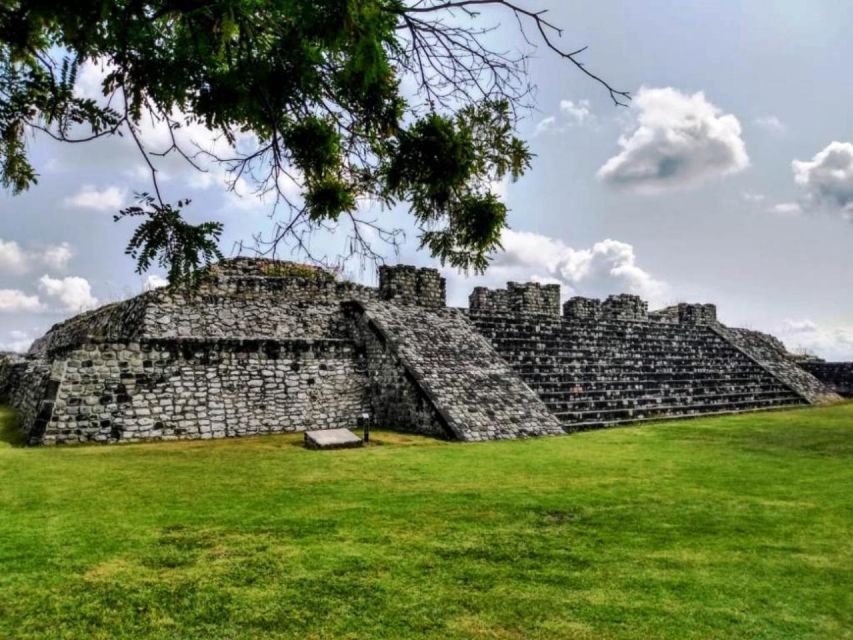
[
  {"x": 625, "y": 306},
  {"x": 686, "y": 313},
  {"x": 530, "y": 297},
  {"x": 405, "y": 284},
  {"x": 579, "y": 308}
]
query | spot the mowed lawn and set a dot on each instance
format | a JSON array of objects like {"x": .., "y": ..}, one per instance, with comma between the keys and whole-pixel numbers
[{"x": 737, "y": 527}]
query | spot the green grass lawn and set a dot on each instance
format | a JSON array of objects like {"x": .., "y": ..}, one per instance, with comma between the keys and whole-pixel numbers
[{"x": 737, "y": 527}]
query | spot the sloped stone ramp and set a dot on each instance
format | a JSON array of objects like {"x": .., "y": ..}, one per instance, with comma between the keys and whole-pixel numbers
[{"x": 469, "y": 389}]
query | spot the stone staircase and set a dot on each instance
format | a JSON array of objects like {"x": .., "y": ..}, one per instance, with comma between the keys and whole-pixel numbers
[{"x": 598, "y": 373}]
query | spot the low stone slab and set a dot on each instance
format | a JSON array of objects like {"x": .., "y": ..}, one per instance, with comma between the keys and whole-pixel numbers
[{"x": 332, "y": 439}]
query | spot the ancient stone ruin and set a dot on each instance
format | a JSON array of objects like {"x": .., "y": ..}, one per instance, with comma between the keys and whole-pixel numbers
[{"x": 263, "y": 346}]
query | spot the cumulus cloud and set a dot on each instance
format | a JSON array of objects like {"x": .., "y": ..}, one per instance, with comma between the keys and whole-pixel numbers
[
  {"x": 73, "y": 293},
  {"x": 56, "y": 257},
  {"x": 15, "y": 259},
  {"x": 14, "y": 300},
  {"x": 830, "y": 342},
  {"x": 12, "y": 258},
  {"x": 608, "y": 267},
  {"x": 786, "y": 208},
  {"x": 576, "y": 112},
  {"x": 828, "y": 177},
  {"x": 572, "y": 114},
  {"x": 153, "y": 281},
  {"x": 89, "y": 197},
  {"x": 545, "y": 124},
  {"x": 770, "y": 123},
  {"x": 679, "y": 140}
]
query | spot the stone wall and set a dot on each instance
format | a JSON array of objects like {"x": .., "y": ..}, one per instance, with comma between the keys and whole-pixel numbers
[
  {"x": 836, "y": 375},
  {"x": 579, "y": 308},
  {"x": 228, "y": 303},
  {"x": 29, "y": 385},
  {"x": 625, "y": 307},
  {"x": 529, "y": 297},
  {"x": 238, "y": 307},
  {"x": 118, "y": 321},
  {"x": 686, "y": 313},
  {"x": 170, "y": 389},
  {"x": 263, "y": 346},
  {"x": 405, "y": 284}
]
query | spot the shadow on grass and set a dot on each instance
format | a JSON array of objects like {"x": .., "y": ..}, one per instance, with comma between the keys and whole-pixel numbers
[{"x": 9, "y": 432}]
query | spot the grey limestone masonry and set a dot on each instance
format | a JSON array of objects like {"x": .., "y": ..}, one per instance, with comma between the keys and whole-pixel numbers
[
  {"x": 770, "y": 354},
  {"x": 263, "y": 346},
  {"x": 625, "y": 307},
  {"x": 470, "y": 388},
  {"x": 837, "y": 375},
  {"x": 530, "y": 297}
]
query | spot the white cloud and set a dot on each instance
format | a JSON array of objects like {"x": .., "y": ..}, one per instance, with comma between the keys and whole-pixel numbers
[
  {"x": 828, "y": 177},
  {"x": 56, "y": 257},
  {"x": 73, "y": 293},
  {"x": 833, "y": 342},
  {"x": 89, "y": 197},
  {"x": 786, "y": 208},
  {"x": 576, "y": 112},
  {"x": 572, "y": 114},
  {"x": 18, "y": 342},
  {"x": 545, "y": 124},
  {"x": 679, "y": 140},
  {"x": 15, "y": 259},
  {"x": 608, "y": 267},
  {"x": 202, "y": 180},
  {"x": 153, "y": 281},
  {"x": 770, "y": 123},
  {"x": 12, "y": 300},
  {"x": 12, "y": 257},
  {"x": 751, "y": 196}
]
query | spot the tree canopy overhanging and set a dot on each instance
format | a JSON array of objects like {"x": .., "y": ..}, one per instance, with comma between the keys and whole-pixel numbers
[{"x": 393, "y": 101}]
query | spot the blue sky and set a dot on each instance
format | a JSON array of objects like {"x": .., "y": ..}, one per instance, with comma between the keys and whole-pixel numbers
[{"x": 728, "y": 180}]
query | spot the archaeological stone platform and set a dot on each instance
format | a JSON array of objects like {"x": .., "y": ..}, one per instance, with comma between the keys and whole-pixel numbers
[{"x": 263, "y": 346}]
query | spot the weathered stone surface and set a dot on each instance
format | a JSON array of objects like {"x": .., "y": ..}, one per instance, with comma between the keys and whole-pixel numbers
[
  {"x": 625, "y": 307},
  {"x": 770, "y": 354},
  {"x": 838, "y": 376},
  {"x": 529, "y": 297},
  {"x": 332, "y": 439},
  {"x": 404, "y": 284},
  {"x": 264, "y": 346},
  {"x": 445, "y": 378}
]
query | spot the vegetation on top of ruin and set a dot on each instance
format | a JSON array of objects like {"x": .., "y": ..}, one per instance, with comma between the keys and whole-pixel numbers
[
  {"x": 623, "y": 533},
  {"x": 409, "y": 102},
  {"x": 285, "y": 269}
]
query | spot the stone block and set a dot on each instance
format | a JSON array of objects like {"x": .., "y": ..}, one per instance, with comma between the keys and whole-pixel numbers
[
  {"x": 579, "y": 308},
  {"x": 332, "y": 439}
]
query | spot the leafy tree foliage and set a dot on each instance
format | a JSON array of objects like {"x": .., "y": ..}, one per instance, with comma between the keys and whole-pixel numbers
[
  {"x": 165, "y": 237},
  {"x": 391, "y": 100}
]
